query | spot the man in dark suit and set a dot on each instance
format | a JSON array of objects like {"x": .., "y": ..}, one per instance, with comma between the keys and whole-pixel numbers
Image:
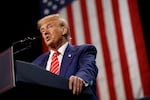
[{"x": 76, "y": 63}]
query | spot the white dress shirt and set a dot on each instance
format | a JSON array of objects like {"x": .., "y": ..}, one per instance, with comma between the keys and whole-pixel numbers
[{"x": 61, "y": 50}]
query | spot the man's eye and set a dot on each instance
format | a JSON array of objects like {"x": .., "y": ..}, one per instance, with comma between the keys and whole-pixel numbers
[
  {"x": 42, "y": 31},
  {"x": 49, "y": 26}
]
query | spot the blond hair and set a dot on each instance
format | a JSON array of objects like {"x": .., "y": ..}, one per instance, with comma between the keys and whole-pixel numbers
[{"x": 57, "y": 17}]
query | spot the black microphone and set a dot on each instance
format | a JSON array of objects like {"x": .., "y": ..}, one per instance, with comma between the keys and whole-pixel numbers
[
  {"x": 24, "y": 44},
  {"x": 27, "y": 39}
]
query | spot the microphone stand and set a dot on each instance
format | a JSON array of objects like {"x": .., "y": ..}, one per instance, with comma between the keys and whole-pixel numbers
[{"x": 23, "y": 49}]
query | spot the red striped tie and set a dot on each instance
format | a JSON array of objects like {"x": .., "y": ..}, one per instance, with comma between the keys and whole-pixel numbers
[{"x": 54, "y": 68}]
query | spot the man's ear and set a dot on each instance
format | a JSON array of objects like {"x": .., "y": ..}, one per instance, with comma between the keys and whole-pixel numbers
[{"x": 64, "y": 31}]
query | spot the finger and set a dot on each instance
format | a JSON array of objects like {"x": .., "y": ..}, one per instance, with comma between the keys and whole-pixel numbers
[
  {"x": 71, "y": 82},
  {"x": 75, "y": 90},
  {"x": 80, "y": 85}
]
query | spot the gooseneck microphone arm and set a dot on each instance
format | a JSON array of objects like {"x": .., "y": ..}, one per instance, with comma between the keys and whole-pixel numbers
[
  {"x": 26, "y": 43},
  {"x": 27, "y": 39}
]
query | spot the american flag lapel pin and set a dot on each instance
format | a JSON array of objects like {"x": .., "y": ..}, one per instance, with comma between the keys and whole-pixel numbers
[{"x": 69, "y": 55}]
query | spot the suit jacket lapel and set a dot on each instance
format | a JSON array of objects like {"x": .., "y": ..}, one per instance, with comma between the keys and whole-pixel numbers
[{"x": 67, "y": 59}]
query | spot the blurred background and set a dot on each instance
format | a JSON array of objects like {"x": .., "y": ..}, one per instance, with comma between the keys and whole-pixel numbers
[{"x": 18, "y": 22}]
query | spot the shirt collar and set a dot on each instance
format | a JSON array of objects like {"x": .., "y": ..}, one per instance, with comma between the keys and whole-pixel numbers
[{"x": 61, "y": 50}]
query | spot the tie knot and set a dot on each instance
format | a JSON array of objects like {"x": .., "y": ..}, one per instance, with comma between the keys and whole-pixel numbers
[{"x": 56, "y": 53}]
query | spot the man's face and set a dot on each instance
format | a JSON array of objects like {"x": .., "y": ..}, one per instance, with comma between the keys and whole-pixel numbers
[{"x": 52, "y": 33}]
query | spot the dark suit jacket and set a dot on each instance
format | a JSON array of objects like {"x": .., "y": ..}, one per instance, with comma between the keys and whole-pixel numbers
[{"x": 77, "y": 60}]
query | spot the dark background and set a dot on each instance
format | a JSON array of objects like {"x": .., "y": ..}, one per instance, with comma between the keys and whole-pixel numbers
[
  {"x": 144, "y": 6},
  {"x": 18, "y": 21}
]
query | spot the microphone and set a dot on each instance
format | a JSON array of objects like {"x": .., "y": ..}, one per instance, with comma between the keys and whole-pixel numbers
[
  {"x": 27, "y": 39},
  {"x": 24, "y": 44}
]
